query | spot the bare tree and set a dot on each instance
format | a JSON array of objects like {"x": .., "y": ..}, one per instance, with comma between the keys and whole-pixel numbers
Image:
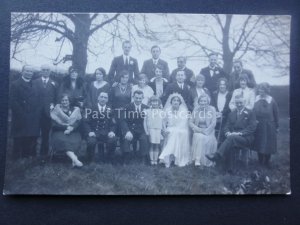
[
  {"x": 76, "y": 28},
  {"x": 232, "y": 36}
]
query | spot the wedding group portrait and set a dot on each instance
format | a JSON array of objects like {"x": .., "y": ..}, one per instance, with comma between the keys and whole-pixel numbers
[{"x": 148, "y": 104}]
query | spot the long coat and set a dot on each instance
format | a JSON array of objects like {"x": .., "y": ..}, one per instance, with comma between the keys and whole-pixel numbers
[
  {"x": 226, "y": 109},
  {"x": 267, "y": 117},
  {"x": 47, "y": 94},
  {"x": 211, "y": 82},
  {"x": 25, "y": 106},
  {"x": 149, "y": 68},
  {"x": 118, "y": 65}
]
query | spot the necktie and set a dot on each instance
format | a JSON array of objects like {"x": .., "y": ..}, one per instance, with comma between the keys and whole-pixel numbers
[
  {"x": 44, "y": 83},
  {"x": 242, "y": 93},
  {"x": 126, "y": 61},
  {"x": 181, "y": 86}
]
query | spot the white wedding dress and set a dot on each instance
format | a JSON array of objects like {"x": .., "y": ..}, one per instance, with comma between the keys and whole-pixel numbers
[{"x": 177, "y": 142}]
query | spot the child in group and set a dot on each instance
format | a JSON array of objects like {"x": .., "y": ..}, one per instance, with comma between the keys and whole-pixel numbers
[
  {"x": 144, "y": 87},
  {"x": 153, "y": 125}
]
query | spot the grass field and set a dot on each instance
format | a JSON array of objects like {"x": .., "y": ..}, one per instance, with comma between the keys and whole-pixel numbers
[{"x": 39, "y": 177}]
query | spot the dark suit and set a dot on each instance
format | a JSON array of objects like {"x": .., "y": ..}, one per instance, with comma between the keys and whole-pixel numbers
[
  {"x": 101, "y": 123},
  {"x": 133, "y": 121},
  {"x": 194, "y": 93},
  {"x": 244, "y": 123},
  {"x": 26, "y": 110},
  {"x": 234, "y": 82},
  {"x": 47, "y": 94},
  {"x": 185, "y": 93},
  {"x": 149, "y": 68},
  {"x": 118, "y": 65},
  {"x": 211, "y": 82},
  {"x": 190, "y": 76}
]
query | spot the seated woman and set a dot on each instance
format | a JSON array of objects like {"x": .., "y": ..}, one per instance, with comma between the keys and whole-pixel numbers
[
  {"x": 65, "y": 135},
  {"x": 199, "y": 89},
  {"x": 176, "y": 132},
  {"x": 143, "y": 86},
  {"x": 266, "y": 111},
  {"x": 202, "y": 123},
  {"x": 97, "y": 86},
  {"x": 244, "y": 90}
]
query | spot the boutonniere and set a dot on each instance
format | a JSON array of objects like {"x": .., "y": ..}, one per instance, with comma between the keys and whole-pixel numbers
[
  {"x": 53, "y": 83},
  {"x": 246, "y": 112},
  {"x": 131, "y": 62},
  {"x": 217, "y": 72}
]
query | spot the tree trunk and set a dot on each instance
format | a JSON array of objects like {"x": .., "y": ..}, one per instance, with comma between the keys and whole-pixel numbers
[
  {"x": 82, "y": 25},
  {"x": 227, "y": 53}
]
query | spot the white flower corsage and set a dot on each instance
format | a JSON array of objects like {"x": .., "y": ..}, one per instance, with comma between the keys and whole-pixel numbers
[
  {"x": 131, "y": 62},
  {"x": 53, "y": 83},
  {"x": 217, "y": 72}
]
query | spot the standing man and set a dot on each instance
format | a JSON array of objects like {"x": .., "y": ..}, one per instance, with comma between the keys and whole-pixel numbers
[
  {"x": 132, "y": 126},
  {"x": 100, "y": 128},
  {"x": 180, "y": 87},
  {"x": 234, "y": 80},
  {"x": 25, "y": 109},
  {"x": 46, "y": 88},
  {"x": 213, "y": 73},
  {"x": 150, "y": 64},
  {"x": 181, "y": 65},
  {"x": 121, "y": 63}
]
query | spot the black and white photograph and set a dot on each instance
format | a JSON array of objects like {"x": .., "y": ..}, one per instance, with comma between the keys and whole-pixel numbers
[{"x": 148, "y": 104}]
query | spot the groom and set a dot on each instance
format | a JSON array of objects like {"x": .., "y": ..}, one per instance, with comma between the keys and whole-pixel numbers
[{"x": 132, "y": 126}]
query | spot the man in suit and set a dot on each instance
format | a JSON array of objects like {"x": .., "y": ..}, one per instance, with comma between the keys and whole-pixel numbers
[
  {"x": 190, "y": 77},
  {"x": 47, "y": 90},
  {"x": 238, "y": 69},
  {"x": 239, "y": 131},
  {"x": 100, "y": 128},
  {"x": 121, "y": 63},
  {"x": 213, "y": 73},
  {"x": 132, "y": 126},
  {"x": 180, "y": 87},
  {"x": 25, "y": 108},
  {"x": 149, "y": 65}
]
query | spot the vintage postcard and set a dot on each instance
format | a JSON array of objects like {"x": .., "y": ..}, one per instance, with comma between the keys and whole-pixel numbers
[{"x": 148, "y": 104}]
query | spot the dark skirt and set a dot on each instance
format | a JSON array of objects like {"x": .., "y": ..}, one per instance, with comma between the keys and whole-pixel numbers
[
  {"x": 62, "y": 142},
  {"x": 265, "y": 138}
]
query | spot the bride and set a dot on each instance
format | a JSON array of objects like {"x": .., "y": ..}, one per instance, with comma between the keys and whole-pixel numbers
[{"x": 176, "y": 131}]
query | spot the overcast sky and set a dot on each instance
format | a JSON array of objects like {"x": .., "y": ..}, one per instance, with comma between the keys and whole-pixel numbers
[{"x": 47, "y": 51}]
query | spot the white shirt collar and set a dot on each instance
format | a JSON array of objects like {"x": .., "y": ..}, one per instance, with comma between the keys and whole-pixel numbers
[
  {"x": 126, "y": 56},
  {"x": 26, "y": 80},
  {"x": 155, "y": 60},
  {"x": 154, "y": 78},
  {"x": 180, "y": 84},
  {"x": 101, "y": 107},
  {"x": 268, "y": 98},
  {"x": 138, "y": 106},
  {"x": 45, "y": 79}
]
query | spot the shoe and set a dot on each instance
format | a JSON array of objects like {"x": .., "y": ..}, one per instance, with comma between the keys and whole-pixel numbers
[
  {"x": 197, "y": 164},
  {"x": 214, "y": 157},
  {"x": 77, "y": 163}
]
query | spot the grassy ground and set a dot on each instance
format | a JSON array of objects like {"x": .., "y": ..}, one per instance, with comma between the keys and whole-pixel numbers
[{"x": 38, "y": 177}]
